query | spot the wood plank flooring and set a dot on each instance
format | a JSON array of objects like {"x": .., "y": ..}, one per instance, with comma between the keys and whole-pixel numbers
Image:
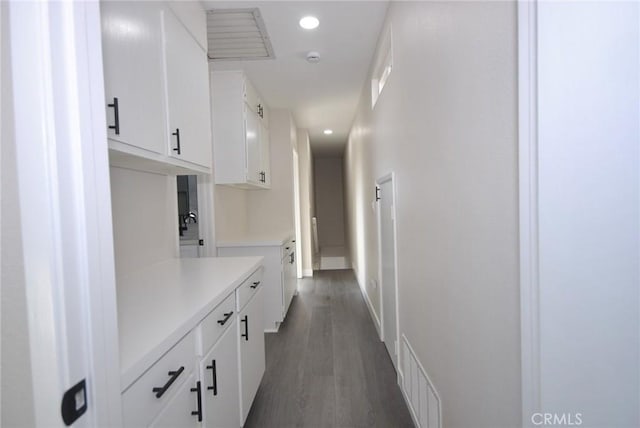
[{"x": 326, "y": 367}]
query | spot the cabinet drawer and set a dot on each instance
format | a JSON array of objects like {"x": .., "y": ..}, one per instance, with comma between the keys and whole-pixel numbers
[
  {"x": 139, "y": 402},
  {"x": 217, "y": 322},
  {"x": 248, "y": 288}
]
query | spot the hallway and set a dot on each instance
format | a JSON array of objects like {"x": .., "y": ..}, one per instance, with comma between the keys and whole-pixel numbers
[{"x": 326, "y": 367}]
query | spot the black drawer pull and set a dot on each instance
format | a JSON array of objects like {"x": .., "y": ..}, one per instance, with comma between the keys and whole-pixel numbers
[
  {"x": 214, "y": 375},
  {"x": 287, "y": 248},
  {"x": 116, "y": 116},
  {"x": 198, "y": 412},
  {"x": 177, "y": 134},
  {"x": 255, "y": 284},
  {"x": 174, "y": 375},
  {"x": 245, "y": 320},
  {"x": 226, "y": 318}
]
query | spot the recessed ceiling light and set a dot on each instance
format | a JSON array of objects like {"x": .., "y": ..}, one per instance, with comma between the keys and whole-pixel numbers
[
  {"x": 328, "y": 132},
  {"x": 309, "y": 22}
]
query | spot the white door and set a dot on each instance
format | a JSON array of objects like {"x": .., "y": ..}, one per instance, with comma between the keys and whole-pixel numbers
[
  {"x": 251, "y": 348},
  {"x": 139, "y": 92},
  {"x": 265, "y": 155},
  {"x": 188, "y": 104},
  {"x": 253, "y": 147},
  {"x": 219, "y": 374},
  {"x": 64, "y": 213},
  {"x": 386, "y": 230},
  {"x": 580, "y": 212}
]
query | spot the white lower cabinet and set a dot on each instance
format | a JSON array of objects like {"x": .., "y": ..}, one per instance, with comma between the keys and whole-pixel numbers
[
  {"x": 279, "y": 278},
  {"x": 210, "y": 376},
  {"x": 184, "y": 409},
  {"x": 251, "y": 350},
  {"x": 219, "y": 374}
]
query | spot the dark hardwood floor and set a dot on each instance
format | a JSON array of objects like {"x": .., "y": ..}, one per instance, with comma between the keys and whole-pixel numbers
[{"x": 326, "y": 367}]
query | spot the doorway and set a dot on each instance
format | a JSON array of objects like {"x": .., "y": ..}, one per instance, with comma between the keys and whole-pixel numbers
[
  {"x": 387, "y": 260},
  {"x": 329, "y": 208}
]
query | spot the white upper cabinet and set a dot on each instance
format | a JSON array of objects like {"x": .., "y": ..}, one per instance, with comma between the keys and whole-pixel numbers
[
  {"x": 156, "y": 86},
  {"x": 131, "y": 48},
  {"x": 187, "y": 93},
  {"x": 240, "y": 132}
]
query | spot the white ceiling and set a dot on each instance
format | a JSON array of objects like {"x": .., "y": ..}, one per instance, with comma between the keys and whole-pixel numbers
[{"x": 322, "y": 95}]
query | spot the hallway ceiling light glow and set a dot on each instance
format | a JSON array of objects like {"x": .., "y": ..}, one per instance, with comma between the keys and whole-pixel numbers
[
  {"x": 328, "y": 132},
  {"x": 309, "y": 22}
]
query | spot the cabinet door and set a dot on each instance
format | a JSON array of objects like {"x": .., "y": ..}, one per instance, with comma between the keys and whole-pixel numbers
[
  {"x": 290, "y": 281},
  {"x": 252, "y": 359},
  {"x": 187, "y": 94},
  {"x": 219, "y": 374},
  {"x": 254, "y": 167},
  {"x": 132, "y": 58},
  {"x": 265, "y": 155},
  {"x": 178, "y": 412}
]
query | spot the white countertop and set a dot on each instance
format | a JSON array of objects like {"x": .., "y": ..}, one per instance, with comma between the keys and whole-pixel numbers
[
  {"x": 263, "y": 239},
  {"x": 158, "y": 305}
]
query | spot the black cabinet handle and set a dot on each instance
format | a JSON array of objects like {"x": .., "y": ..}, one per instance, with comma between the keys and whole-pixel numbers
[
  {"x": 214, "y": 375},
  {"x": 292, "y": 258},
  {"x": 226, "y": 318},
  {"x": 255, "y": 284},
  {"x": 198, "y": 412},
  {"x": 116, "y": 116},
  {"x": 177, "y": 134},
  {"x": 245, "y": 320},
  {"x": 286, "y": 248},
  {"x": 174, "y": 375}
]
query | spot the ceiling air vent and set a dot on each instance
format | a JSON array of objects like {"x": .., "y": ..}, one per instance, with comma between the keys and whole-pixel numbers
[{"x": 237, "y": 34}]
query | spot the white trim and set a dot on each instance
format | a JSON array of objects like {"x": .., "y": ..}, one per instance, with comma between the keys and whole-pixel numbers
[
  {"x": 374, "y": 317},
  {"x": 307, "y": 273},
  {"x": 528, "y": 206},
  {"x": 389, "y": 177}
]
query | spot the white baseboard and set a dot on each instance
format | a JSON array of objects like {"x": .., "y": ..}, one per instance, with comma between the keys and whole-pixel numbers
[
  {"x": 307, "y": 272},
  {"x": 374, "y": 316}
]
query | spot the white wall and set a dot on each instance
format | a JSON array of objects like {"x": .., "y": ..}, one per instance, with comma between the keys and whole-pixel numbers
[
  {"x": 307, "y": 206},
  {"x": 329, "y": 200},
  {"x": 231, "y": 210},
  {"x": 446, "y": 125},
  {"x": 272, "y": 210},
  {"x": 16, "y": 405},
  {"x": 145, "y": 218}
]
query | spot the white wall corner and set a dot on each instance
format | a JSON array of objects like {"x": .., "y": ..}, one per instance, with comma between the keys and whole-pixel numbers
[{"x": 307, "y": 273}]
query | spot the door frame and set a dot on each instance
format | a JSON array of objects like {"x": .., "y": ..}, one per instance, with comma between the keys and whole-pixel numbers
[
  {"x": 383, "y": 179},
  {"x": 528, "y": 208},
  {"x": 65, "y": 208}
]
